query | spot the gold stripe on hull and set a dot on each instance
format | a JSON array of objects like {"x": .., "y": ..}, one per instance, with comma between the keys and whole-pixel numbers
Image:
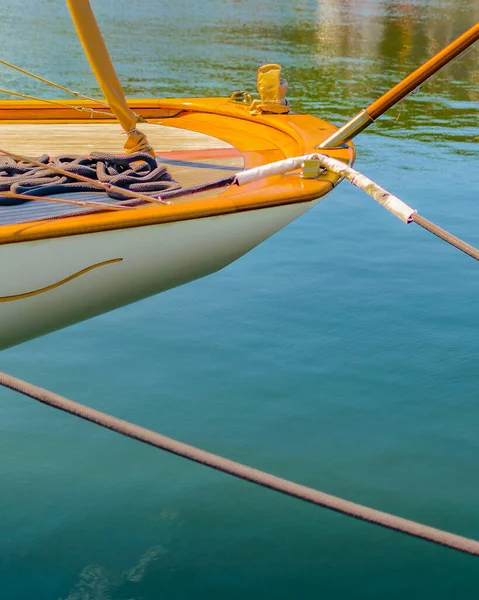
[{"x": 58, "y": 283}]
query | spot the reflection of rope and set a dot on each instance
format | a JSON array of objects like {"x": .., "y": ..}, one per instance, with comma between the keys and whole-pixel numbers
[{"x": 241, "y": 471}]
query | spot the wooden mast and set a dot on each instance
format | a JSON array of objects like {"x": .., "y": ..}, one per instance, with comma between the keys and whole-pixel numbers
[{"x": 104, "y": 71}]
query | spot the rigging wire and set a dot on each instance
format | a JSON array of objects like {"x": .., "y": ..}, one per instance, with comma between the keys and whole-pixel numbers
[
  {"x": 138, "y": 117},
  {"x": 91, "y": 111},
  {"x": 419, "y": 88},
  {"x": 52, "y": 83}
]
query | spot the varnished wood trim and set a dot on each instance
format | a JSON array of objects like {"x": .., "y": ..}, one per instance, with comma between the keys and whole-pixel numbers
[{"x": 259, "y": 140}]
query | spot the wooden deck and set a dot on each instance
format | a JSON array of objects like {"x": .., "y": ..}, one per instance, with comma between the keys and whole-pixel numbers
[
  {"x": 192, "y": 158},
  {"x": 226, "y": 138}
]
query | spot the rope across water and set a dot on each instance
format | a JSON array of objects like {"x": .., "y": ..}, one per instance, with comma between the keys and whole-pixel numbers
[{"x": 236, "y": 469}]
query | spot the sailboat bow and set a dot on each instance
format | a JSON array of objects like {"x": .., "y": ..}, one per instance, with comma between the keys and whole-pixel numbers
[{"x": 58, "y": 267}]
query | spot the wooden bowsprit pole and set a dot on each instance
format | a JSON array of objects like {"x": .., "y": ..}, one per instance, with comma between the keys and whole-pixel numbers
[{"x": 367, "y": 116}]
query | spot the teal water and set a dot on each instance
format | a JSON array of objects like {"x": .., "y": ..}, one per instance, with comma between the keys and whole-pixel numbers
[{"x": 342, "y": 353}]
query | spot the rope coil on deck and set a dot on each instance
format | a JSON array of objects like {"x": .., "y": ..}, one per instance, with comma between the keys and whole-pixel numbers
[
  {"x": 134, "y": 187},
  {"x": 241, "y": 471},
  {"x": 138, "y": 173}
]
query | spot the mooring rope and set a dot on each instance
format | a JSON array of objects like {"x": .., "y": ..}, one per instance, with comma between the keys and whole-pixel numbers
[
  {"x": 446, "y": 236},
  {"x": 200, "y": 187},
  {"x": 241, "y": 471},
  {"x": 390, "y": 202},
  {"x": 393, "y": 204}
]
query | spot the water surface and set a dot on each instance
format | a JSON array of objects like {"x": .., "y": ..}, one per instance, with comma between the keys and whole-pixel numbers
[{"x": 342, "y": 353}]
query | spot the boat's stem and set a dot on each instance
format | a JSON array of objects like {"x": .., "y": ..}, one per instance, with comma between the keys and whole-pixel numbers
[{"x": 367, "y": 116}]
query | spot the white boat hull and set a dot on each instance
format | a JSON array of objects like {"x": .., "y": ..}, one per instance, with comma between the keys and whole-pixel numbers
[{"x": 49, "y": 284}]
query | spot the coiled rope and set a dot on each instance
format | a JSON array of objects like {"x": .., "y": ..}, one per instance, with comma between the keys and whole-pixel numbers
[
  {"x": 17, "y": 174},
  {"x": 136, "y": 175},
  {"x": 241, "y": 471}
]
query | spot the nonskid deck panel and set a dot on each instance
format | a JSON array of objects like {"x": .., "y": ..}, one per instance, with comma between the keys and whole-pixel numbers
[{"x": 36, "y": 210}]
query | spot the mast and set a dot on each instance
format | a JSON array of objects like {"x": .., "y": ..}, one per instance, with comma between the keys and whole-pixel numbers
[{"x": 100, "y": 62}]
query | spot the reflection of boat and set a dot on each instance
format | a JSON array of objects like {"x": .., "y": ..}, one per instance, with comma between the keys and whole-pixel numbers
[{"x": 58, "y": 266}]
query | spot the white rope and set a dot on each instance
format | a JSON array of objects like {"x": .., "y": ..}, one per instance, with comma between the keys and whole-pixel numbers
[
  {"x": 276, "y": 168},
  {"x": 390, "y": 202}
]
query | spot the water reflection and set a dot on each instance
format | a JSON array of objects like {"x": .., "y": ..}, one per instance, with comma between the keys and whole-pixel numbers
[
  {"x": 338, "y": 55},
  {"x": 390, "y": 39}
]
